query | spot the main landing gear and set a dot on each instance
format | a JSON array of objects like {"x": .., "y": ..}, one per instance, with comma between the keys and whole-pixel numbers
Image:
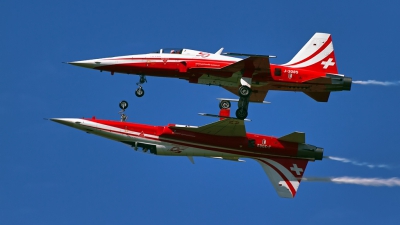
[
  {"x": 243, "y": 103},
  {"x": 139, "y": 91},
  {"x": 242, "y": 111},
  {"x": 244, "y": 91}
]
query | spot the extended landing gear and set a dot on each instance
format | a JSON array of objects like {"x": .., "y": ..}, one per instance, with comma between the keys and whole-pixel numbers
[
  {"x": 139, "y": 91},
  {"x": 224, "y": 104},
  {"x": 123, "y": 105},
  {"x": 244, "y": 91},
  {"x": 241, "y": 113},
  {"x": 243, "y": 103}
]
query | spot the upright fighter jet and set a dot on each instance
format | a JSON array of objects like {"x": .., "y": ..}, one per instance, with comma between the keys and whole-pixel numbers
[{"x": 313, "y": 71}]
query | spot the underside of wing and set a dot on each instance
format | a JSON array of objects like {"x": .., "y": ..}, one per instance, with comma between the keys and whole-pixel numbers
[
  {"x": 226, "y": 127},
  {"x": 252, "y": 63}
]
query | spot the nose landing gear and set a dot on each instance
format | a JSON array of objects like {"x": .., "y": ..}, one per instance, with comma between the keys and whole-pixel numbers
[
  {"x": 243, "y": 103},
  {"x": 123, "y": 105},
  {"x": 139, "y": 91}
]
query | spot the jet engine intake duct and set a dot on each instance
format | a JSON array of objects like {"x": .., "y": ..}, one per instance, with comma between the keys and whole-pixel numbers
[
  {"x": 310, "y": 152},
  {"x": 146, "y": 147}
]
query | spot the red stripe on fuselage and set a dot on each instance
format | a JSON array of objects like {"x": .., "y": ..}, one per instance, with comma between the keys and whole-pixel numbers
[
  {"x": 204, "y": 147},
  {"x": 172, "y": 58}
]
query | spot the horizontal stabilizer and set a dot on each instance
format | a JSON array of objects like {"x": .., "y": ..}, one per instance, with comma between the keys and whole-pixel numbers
[
  {"x": 235, "y": 159},
  {"x": 319, "y": 96},
  {"x": 219, "y": 116},
  {"x": 227, "y": 127},
  {"x": 237, "y": 100},
  {"x": 320, "y": 80},
  {"x": 297, "y": 137}
]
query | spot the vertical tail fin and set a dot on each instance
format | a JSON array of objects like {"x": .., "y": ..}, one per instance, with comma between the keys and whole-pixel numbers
[
  {"x": 284, "y": 173},
  {"x": 317, "y": 55}
]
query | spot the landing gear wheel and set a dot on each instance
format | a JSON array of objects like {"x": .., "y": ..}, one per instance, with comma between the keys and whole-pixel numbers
[
  {"x": 224, "y": 104},
  {"x": 123, "y": 105},
  {"x": 139, "y": 92},
  {"x": 241, "y": 113},
  {"x": 244, "y": 91}
]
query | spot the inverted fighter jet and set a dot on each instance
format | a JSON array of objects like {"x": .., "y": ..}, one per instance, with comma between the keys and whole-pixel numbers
[{"x": 284, "y": 159}]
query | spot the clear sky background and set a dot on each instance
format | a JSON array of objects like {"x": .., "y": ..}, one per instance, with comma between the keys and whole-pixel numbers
[{"x": 53, "y": 174}]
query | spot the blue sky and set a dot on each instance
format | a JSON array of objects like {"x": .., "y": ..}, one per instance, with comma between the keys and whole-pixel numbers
[{"x": 52, "y": 174}]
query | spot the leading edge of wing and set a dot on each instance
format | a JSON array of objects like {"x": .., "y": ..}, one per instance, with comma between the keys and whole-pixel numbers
[
  {"x": 244, "y": 54},
  {"x": 252, "y": 63},
  {"x": 255, "y": 63},
  {"x": 227, "y": 127}
]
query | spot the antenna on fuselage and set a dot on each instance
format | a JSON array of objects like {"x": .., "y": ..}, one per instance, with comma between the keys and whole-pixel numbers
[
  {"x": 123, "y": 105},
  {"x": 219, "y": 51}
]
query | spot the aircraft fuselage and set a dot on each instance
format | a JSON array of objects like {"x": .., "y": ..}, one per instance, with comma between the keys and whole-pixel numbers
[{"x": 166, "y": 140}]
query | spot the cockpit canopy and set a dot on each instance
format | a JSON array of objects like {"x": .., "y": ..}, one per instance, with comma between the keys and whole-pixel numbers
[
  {"x": 183, "y": 51},
  {"x": 170, "y": 51}
]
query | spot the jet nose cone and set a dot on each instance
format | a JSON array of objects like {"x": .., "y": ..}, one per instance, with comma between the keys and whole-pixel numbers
[
  {"x": 87, "y": 63},
  {"x": 68, "y": 122}
]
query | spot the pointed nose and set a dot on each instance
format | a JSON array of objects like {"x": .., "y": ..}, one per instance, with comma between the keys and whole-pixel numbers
[
  {"x": 87, "y": 63},
  {"x": 65, "y": 121}
]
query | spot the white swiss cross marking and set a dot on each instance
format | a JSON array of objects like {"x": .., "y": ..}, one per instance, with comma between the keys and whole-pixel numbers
[
  {"x": 296, "y": 169},
  {"x": 327, "y": 63}
]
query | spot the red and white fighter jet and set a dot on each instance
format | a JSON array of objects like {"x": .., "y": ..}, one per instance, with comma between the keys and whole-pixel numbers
[
  {"x": 283, "y": 159},
  {"x": 313, "y": 71}
]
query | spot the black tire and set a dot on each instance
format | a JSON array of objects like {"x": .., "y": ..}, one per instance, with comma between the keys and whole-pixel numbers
[
  {"x": 224, "y": 104},
  {"x": 241, "y": 113},
  {"x": 123, "y": 105},
  {"x": 139, "y": 92},
  {"x": 244, "y": 91}
]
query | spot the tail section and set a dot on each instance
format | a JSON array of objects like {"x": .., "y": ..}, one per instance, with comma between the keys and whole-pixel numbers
[
  {"x": 284, "y": 173},
  {"x": 317, "y": 55},
  {"x": 318, "y": 96}
]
